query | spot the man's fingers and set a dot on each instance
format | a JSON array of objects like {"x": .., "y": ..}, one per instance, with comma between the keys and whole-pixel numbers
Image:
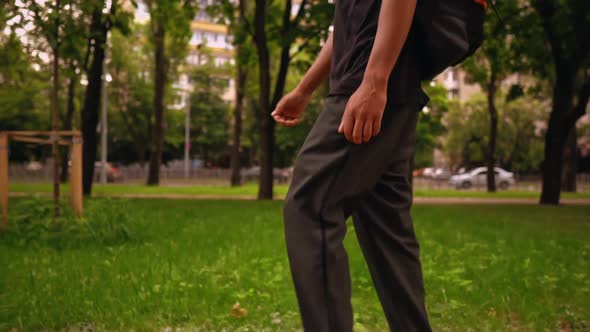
[
  {"x": 357, "y": 132},
  {"x": 286, "y": 121},
  {"x": 367, "y": 131},
  {"x": 376, "y": 126},
  {"x": 347, "y": 125},
  {"x": 291, "y": 122}
]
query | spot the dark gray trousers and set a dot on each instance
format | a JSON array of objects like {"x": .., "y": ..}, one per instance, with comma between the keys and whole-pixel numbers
[{"x": 334, "y": 179}]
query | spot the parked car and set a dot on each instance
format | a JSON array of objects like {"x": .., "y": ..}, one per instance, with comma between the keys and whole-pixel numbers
[
  {"x": 441, "y": 174},
  {"x": 478, "y": 177},
  {"x": 34, "y": 166},
  {"x": 435, "y": 173},
  {"x": 428, "y": 172},
  {"x": 113, "y": 174}
]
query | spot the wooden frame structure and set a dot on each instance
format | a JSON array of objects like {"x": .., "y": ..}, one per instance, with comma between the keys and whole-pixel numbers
[{"x": 70, "y": 138}]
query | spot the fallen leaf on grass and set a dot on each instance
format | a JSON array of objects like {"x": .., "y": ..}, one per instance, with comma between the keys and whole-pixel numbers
[
  {"x": 238, "y": 311},
  {"x": 565, "y": 326}
]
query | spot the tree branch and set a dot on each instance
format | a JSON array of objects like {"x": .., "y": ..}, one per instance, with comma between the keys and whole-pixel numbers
[
  {"x": 299, "y": 15},
  {"x": 244, "y": 18},
  {"x": 300, "y": 48},
  {"x": 285, "y": 48},
  {"x": 580, "y": 107},
  {"x": 546, "y": 10}
]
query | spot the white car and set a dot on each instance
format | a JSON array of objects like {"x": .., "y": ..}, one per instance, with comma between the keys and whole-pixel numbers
[{"x": 478, "y": 177}]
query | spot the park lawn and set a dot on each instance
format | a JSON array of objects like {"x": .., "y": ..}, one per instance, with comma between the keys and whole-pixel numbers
[
  {"x": 490, "y": 268},
  {"x": 250, "y": 190}
]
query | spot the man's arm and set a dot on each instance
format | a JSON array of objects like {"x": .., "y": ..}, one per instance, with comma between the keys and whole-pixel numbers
[
  {"x": 289, "y": 110},
  {"x": 320, "y": 69},
  {"x": 362, "y": 117}
]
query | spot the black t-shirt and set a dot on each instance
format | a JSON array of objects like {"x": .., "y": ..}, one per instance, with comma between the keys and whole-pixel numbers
[{"x": 355, "y": 27}]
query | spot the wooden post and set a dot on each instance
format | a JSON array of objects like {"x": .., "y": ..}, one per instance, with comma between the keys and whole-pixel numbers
[
  {"x": 3, "y": 182},
  {"x": 76, "y": 176}
]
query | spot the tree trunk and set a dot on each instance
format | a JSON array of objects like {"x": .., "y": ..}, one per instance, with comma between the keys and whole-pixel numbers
[
  {"x": 570, "y": 162},
  {"x": 555, "y": 138},
  {"x": 571, "y": 152},
  {"x": 235, "y": 165},
  {"x": 267, "y": 123},
  {"x": 161, "y": 72},
  {"x": 55, "y": 116},
  {"x": 491, "y": 152},
  {"x": 92, "y": 100},
  {"x": 265, "y": 189},
  {"x": 67, "y": 125}
]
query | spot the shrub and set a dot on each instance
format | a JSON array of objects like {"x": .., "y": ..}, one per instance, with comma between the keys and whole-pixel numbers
[{"x": 105, "y": 223}]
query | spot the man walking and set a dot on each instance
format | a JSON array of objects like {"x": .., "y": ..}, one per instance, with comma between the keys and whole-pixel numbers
[{"x": 356, "y": 162}]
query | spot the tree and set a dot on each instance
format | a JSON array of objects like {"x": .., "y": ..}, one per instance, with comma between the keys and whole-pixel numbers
[
  {"x": 489, "y": 67},
  {"x": 73, "y": 55},
  {"x": 55, "y": 41},
  {"x": 170, "y": 33},
  {"x": 308, "y": 27},
  {"x": 23, "y": 103},
  {"x": 131, "y": 93},
  {"x": 102, "y": 20},
  {"x": 238, "y": 28},
  {"x": 562, "y": 27},
  {"x": 519, "y": 148},
  {"x": 429, "y": 127},
  {"x": 209, "y": 112},
  {"x": 47, "y": 24},
  {"x": 47, "y": 27}
]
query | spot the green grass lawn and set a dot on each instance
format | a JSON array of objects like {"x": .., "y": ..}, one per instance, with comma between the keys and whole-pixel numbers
[
  {"x": 251, "y": 189},
  {"x": 486, "y": 268}
]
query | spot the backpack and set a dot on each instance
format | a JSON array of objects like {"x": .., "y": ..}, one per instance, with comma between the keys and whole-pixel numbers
[{"x": 448, "y": 32}]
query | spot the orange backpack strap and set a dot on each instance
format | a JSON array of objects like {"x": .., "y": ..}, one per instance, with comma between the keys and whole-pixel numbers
[{"x": 481, "y": 2}]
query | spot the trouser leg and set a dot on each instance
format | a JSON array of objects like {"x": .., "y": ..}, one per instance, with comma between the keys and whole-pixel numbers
[
  {"x": 384, "y": 228},
  {"x": 329, "y": 178}
]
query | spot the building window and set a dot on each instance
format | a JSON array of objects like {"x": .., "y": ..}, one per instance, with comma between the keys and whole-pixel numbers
[
  {"x": 453, "y": 93},
  {"x": 451, "y": 75}
]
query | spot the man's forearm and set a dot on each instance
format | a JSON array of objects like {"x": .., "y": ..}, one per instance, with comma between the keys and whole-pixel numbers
[
  {"x": 319, "y": 71},
  {"x": 395, "y": 20}
]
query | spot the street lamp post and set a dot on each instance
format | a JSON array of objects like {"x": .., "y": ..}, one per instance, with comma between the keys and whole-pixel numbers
[
  {"x": 187, "y": 132},
  {"x": 187, "y": 121}
]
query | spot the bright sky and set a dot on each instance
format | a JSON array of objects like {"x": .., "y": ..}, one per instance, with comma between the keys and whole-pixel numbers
[{"x": 141, "y": 14}]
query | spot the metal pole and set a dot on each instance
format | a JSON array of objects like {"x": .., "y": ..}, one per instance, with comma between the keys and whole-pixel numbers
[
  {"x": 187, "y": 133},
  {"x": 103, "y": 121}
]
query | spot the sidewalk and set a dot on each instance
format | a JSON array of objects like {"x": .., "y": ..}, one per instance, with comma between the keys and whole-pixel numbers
[{"x": 417, "y": 200}]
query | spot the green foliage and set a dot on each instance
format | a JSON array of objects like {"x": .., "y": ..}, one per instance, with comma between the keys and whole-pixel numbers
[
  {"x": 174, "y": 17},
  {"x": 495, "y": 59},
  {"x": 520, "y": 146},
  {"x": 209, "y": 112},
  {"x": 22, "y": 89},
  {"x": 33, "y": 225},
  {"x": 430, "y": 127},
  {"x": 130, "y": 95}
]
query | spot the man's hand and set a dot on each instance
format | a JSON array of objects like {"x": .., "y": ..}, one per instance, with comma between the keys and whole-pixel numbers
[
  {"x": 362, "y": 117},
  {"x": 290, "y": 108}
]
